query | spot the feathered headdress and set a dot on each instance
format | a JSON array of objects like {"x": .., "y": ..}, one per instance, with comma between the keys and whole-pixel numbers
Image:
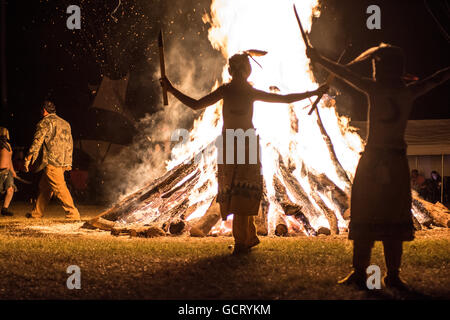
[
  {"x": 255, "y": 53},
  {"x": 391, "y": 54},
  {"x": 381, "y": 51}
]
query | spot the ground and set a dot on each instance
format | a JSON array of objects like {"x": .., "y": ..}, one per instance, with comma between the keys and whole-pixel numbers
[{"x": 34, "y": 256}]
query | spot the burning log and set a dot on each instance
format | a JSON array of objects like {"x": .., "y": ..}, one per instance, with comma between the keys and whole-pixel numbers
[
  {"x": 324, "y": 231},
  {"x": 331, "y": 217},
  {"x": 202, "y": 227},
  {"x": 281, "y": 226},
  {"x": 306, "y": 210},
  {"x": 293, "y": 119},
  {"x": 148, "y": 193},
  {"x": 295, "y": 227},
  {"x": 417, "y": 225},
  {"x": 323, "y": 184},
  {"x": 99, "y": 223},
  {"x": 290, "y": 208},
  {"x": 261, "y": 219},
  {"x": 342, "y": 174},
  {"x": 174, "y": 213},
  {"x": 430, "y": 213},
  {"x": 192, "y": 208},
  {"x": 146, "y": 232},
  {"x": 117, "y": 231},
  {"x": 177, "y": 226},
  {"x": 301, "y": 218}
]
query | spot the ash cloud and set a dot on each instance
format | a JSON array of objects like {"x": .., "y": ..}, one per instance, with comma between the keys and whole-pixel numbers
[{"x": 192, "y": 65}]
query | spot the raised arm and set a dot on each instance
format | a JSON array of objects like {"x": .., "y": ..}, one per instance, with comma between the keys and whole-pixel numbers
[
  {"x": 421, "y": 87},
  {"x": 192, "y": 103},
  {"x": 287, "y": 98},
  {"x": 340, "y": 71}
]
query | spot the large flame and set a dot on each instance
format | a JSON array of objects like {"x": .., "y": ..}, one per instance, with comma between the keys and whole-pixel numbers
[{"x": 238, "y": 25}]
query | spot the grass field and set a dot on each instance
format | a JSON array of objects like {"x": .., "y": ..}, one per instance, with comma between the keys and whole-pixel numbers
[{"x": 34, "y": 256}]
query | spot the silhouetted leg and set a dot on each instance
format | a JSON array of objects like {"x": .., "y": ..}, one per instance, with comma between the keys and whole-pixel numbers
[
  {"x": 45, "y": 194},
  {"x": 361, "y": 255},
  {"x": 55, "y": 177},
  {"x": 252, "y": 237},
  {"x": 8, "y": 197},
  {"x": 240, "y": 233},
  {"x": 361, "y": 260},
  {"x": 7, "y": 201},
  {"x": 393, "y": 250}
]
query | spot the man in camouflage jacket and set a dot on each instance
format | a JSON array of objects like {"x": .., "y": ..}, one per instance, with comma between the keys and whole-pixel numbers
[{"x": 53, "y": 145}]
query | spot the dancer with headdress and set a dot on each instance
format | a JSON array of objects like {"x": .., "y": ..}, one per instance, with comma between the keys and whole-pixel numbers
[
  {"x": 240, "y": 184},
  {"x": 381, "y": 193}
]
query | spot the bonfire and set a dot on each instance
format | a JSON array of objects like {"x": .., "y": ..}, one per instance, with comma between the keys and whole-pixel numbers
[{"x": 308, "y": 160}]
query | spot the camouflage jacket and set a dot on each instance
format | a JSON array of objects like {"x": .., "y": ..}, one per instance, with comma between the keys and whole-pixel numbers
[{"x": 53, "y": 135}]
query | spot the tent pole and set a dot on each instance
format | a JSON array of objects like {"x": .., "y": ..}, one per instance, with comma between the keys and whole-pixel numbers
[{"x": 442, "y": 178}]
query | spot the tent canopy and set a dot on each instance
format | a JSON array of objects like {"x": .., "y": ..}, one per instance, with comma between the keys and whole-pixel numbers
[{"x": 424, "y": 137}]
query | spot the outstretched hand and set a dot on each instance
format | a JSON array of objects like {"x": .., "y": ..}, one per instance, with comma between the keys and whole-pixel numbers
[
  {"x": 26, "y": 165},
  {"x": 322, "y": 89},
  {"x": 312, "y": 53},
  {"x": 165, "y": 83}
]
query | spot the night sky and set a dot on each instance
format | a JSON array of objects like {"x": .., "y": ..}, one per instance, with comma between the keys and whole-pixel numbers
[{"x": 46, "y": 60}]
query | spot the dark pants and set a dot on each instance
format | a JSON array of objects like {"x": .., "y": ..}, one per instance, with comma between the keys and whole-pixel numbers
[{"x": 393, "y": 250}]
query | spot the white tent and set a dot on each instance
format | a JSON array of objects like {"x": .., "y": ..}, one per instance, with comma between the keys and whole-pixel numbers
[
  {"x": 428, "y": 145},
  {"x": 424, "y": 137}
]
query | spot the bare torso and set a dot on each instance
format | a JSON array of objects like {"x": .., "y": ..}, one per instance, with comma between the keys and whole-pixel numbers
[
  {"x": 238, "y": 106},
  {"x": 5, "y": 158},
  {"x": 389, "y": 109}
]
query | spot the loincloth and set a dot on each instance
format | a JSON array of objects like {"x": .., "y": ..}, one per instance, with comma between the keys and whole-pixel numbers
[
  {"x": 239, "y": 185},
  {"x": 381, "y": 196}
]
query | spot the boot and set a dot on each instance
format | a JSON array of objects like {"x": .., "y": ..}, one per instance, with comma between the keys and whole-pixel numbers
[
  {"x": 254, "y": 242},
  {"x": 6, "y": 212},
  {"x": 356, "y": 279},
  {"x": 29, "y": 215},
  {"x": 395, "y": 282},
  {"x": 73, "y": 217},
  {"x": 240, "y": 249}
]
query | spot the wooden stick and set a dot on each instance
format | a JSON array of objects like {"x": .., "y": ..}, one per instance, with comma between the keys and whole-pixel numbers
[
  {"x": 162, "y": 65},
  {"x": 339, "y": 169},
  {"x": 328, "y": 82}
]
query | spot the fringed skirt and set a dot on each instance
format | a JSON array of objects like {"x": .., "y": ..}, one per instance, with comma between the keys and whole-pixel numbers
[
  {"x": 381, "y": 197},
  {"x": 240, "y": 184}
]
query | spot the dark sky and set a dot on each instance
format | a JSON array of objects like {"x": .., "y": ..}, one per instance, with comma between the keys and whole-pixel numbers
[
  {"x": 405, "y": 23},
  {"x": 46, "y": 60}
]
